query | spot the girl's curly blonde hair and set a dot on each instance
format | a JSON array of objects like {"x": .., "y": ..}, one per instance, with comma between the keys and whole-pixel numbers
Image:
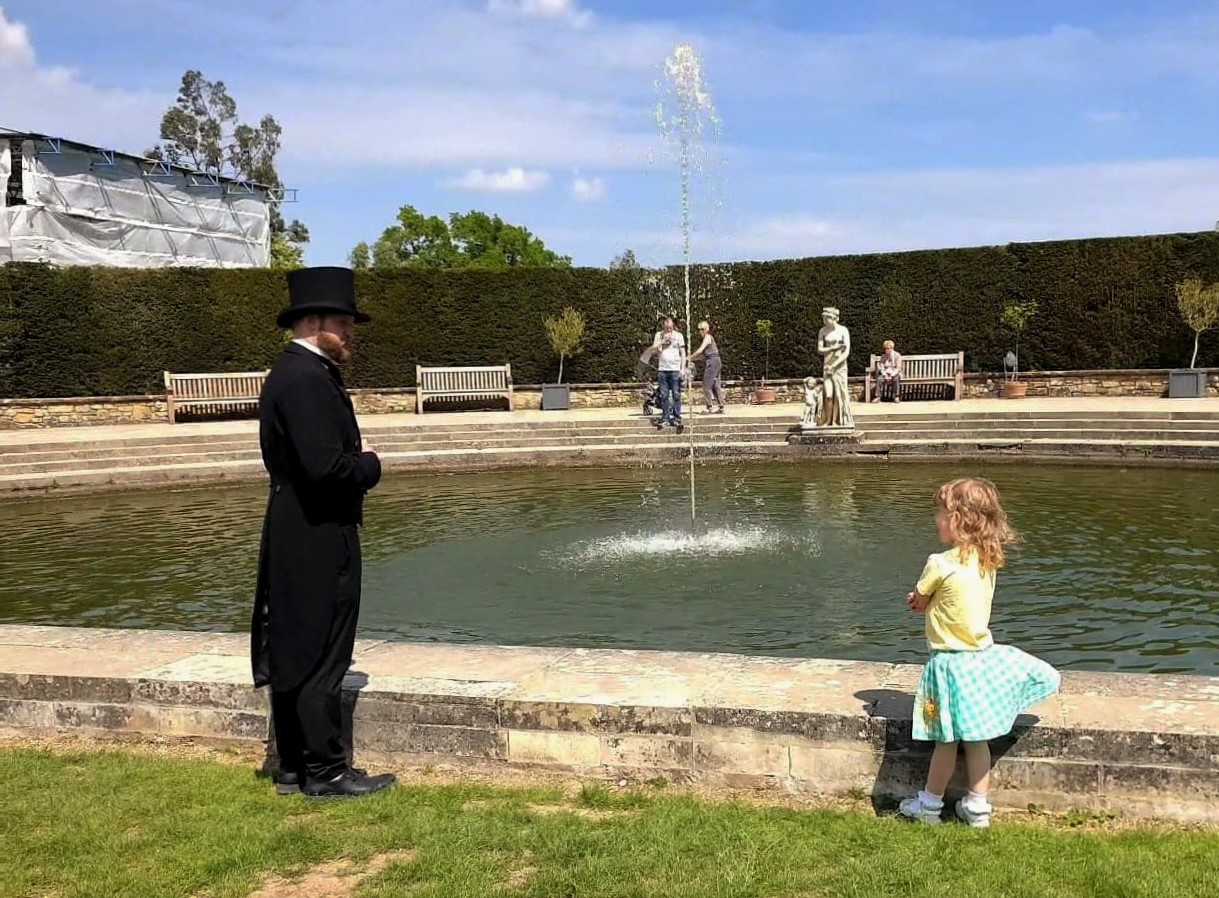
[{"x": 977, "y": 519}]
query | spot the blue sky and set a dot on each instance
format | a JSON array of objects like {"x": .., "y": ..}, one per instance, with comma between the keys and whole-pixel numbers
[{"x": 845, "y": 127}]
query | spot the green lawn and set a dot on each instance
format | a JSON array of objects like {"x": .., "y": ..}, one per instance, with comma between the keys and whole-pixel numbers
[{"x": 102, "y": 825}]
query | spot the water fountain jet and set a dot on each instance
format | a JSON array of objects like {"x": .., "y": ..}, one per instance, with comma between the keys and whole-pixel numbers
[{"x": 684, "y": 115}]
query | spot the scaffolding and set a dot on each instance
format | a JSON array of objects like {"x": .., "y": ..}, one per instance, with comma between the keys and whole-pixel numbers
[{"x": 66, "y": 202}]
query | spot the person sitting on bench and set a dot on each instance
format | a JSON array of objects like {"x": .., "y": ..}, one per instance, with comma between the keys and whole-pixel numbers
[{"x": 889, "y": 375}]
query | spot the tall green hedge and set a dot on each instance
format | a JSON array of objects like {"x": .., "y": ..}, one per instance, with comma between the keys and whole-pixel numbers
[{"x": 1103, "y": 303}]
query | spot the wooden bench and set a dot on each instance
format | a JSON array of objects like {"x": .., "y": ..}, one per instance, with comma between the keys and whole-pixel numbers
[
  {"x": 212, "y": 392},
  {"x": 920, "y": 372},
  {"x": 485, "y": 382}
]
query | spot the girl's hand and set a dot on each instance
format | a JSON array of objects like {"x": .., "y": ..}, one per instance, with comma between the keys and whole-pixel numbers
[{"x": 917, "y": 603}]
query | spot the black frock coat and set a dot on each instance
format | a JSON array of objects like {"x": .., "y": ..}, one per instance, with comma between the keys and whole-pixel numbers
[{"x": 309, "y": 559}]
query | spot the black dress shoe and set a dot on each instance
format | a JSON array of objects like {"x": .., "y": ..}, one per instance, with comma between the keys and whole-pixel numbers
[
  {"x": 348, "y": 784},
  {"x": 289, "y": 783}
]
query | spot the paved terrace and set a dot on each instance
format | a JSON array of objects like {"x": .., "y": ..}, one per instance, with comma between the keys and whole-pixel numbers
[{"x": 1136, "y": 744}]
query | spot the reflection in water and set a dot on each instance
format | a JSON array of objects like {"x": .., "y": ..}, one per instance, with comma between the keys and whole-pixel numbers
[{"x": 1118, "y": 568}]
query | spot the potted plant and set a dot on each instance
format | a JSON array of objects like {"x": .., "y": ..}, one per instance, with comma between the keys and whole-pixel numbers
[
  {"x": 764, "y": 394},
  {"x": 1016, "y": 315},
  {"x": 566, "y": 335},
  {"x": 1199, "y": 307}
]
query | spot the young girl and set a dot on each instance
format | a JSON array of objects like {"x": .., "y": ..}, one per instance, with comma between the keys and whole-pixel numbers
[{"x": 971, "y": 690}]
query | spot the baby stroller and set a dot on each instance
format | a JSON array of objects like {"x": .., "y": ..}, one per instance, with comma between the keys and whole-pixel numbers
[{"x": 645, "y": 373}]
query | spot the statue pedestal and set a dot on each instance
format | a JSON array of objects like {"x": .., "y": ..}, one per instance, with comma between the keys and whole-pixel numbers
[{"x": 824, "y": 436}]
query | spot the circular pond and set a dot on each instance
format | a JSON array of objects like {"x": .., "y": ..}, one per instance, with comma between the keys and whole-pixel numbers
[{"x": 1119, "y": 568}]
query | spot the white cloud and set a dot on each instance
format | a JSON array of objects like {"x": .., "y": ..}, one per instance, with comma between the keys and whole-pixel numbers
[
  {"x": 587, "y": 190},
  {"x": 56, "y": 101},
  {"x": 15, "y": 46},
  {"x": 511, "y": 180},
  {"x": 566, "y": 10}
]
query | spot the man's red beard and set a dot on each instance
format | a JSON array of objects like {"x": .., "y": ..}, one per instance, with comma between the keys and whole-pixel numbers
[{"x": 333, "y": 347}]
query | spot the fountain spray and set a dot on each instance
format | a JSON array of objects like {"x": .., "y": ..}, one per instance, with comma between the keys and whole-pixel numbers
[{"x": 684, "y": 114}]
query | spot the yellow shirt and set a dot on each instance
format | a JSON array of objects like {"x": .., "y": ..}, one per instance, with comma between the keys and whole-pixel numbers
[{"x": 958, "y": 617}]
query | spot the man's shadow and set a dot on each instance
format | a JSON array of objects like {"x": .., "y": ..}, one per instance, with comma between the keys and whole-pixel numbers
[{"x": 904, "y": 761}]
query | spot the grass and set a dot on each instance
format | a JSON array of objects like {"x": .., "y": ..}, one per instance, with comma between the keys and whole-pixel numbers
[{"x": 113, "y": 823}]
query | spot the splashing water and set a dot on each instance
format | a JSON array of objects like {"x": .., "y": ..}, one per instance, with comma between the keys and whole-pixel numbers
[
  {"x": 711, "y": 543},
  {"x": 685, "y": 115}
]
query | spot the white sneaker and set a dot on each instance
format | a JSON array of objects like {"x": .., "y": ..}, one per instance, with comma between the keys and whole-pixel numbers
[
  {"x": 914, "y": 809},
  {"x": 977, "y": 816}
]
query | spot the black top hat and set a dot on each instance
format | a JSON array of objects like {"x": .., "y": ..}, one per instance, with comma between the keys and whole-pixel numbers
[{"x": 326, "y": 290}]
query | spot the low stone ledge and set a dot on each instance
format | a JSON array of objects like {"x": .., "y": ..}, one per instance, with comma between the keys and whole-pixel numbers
[{"x": 1137, "y": 743}]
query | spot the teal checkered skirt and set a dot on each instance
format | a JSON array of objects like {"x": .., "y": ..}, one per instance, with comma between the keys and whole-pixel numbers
[{"x": 976, "y": 696}]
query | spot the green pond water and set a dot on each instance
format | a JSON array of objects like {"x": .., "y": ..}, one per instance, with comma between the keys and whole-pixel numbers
[{"x": 1119, "y": 568}]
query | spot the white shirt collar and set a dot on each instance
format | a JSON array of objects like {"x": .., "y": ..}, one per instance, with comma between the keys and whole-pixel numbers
[{"x": 305, "y": 343}]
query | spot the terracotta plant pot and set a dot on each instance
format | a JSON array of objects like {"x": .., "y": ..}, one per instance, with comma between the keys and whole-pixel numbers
[
  {"x": 764, "y": 395},
  {"x": 1015, "y": 389}
]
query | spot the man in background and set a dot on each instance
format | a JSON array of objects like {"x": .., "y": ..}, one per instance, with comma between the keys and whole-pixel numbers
[{"x": 671, "y": 346}]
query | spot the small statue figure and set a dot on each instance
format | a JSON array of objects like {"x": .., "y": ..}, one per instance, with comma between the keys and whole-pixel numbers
[{"x": 814, "y": 397}]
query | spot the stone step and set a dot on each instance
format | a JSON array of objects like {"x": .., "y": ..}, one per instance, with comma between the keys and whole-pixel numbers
[
  {"x": 162, "y": 446},
  {"x": 1046, "y": 433},
  {"x": 390, "y": 437},
  {"x": 36, "y": 464},
  {"x": 129, "y": 475},
  {"x": 97, "y": 457},
  {"x": 959, "y": 416}
]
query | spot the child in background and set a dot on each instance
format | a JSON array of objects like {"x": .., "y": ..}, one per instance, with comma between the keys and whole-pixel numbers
[{"x": 971, "y": 690}]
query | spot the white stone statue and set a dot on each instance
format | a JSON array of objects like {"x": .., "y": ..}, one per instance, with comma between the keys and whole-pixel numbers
[
  {"x": 834, "y": 344},
  {"x": 814, "y": 397}
]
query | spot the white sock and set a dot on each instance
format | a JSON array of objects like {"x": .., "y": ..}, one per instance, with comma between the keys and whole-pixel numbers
[
  {"x": 930, "y": 802},
  {"x": 977, "y": 802}
]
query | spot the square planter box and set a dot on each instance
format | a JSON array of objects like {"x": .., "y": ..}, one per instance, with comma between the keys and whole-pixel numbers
[
  {"x": 1186, "y": 383},
  {"x": 556, "y": 397}
]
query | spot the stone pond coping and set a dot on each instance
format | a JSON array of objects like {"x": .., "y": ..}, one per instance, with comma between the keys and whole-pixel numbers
[
  {"x": 1136, "y": 744},
  {"x": 101, "y": 410}
]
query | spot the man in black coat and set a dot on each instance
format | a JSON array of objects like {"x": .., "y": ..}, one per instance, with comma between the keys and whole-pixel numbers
[{"x": 308, "y": 593}]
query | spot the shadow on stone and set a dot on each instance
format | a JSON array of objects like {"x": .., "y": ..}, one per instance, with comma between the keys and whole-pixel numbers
[
  {"x": 904, "y": 761},
  {"x": 353, "y": 684}
]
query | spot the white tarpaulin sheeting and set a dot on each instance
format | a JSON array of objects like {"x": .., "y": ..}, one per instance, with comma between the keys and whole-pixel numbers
[
  {"x": 76, "y": 213},
  {"x": 6, "y": 166}
]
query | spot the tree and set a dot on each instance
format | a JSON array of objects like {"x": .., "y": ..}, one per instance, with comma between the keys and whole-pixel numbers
[
  {"x": 1199, "y": 306},
  {"x": 1016, "y": 315},
  {"x": 201, "y": 131},
  {"x": 566, "y": 334},
  {"x": 766, "y": 330},
  {"x": 469, "y": 240},
  {"x": 624, "y": 261}
]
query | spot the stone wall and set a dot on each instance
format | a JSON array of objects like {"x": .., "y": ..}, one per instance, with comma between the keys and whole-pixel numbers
[
  {"x": 74, "y": 412},
  {"x": 1151, "y": 383},
  {"x": 16, "y": 413},
  {"x": 1134, "y": 744}
]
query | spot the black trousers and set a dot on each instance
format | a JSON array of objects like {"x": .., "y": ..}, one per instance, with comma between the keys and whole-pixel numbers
[{"x": 308, "y": 719}]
